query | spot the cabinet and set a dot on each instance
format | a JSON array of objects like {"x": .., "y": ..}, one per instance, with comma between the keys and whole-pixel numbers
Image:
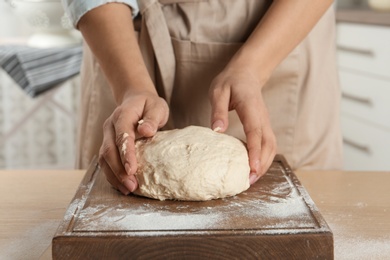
[{"x": 364, "y": 67}]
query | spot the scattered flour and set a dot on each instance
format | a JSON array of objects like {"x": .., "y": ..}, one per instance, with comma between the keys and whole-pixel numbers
[
  {"x": 361, "y": 248},
  {"x": 350, "y": 244},
  {"x": 31, "y": 244},
  {"x": 357, "y": 247},
  {"x": 279, "y": 209},
  {"x": 361, "y": 205}
]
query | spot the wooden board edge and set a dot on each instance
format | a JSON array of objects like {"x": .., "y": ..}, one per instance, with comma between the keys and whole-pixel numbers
[
  {"x": 323, "y": 225},
  {"x": 316, "y": 246},
  {"x": 64, "y": 232},
  {"x": 77, "y": 202}
]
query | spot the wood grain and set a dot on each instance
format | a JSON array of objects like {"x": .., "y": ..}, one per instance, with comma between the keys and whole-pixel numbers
[
  {"x": 32, "y": 204},
  {"x": 275, "y": 218}
]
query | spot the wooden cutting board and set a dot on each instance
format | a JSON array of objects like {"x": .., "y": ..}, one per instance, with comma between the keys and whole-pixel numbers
[{"x": 275, "y": 218}]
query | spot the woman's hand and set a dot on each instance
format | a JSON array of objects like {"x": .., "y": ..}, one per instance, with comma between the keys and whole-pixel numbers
[
  {"x": 238, "y": 88},
  {"x": 120, "y": 130},
  {"x": 116, "y": 48}
]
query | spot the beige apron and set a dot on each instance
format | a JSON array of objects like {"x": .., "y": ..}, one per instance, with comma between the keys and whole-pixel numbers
[{"x": 186, "y": 43}]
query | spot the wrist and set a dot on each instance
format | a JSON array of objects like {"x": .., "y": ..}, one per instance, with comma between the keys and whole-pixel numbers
[
  {"x": 253, "y": 64},
  {"x": 132, "y": 89}
]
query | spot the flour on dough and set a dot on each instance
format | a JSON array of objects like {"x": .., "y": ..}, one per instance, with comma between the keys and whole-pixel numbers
[{"x": 193, "y": 163}]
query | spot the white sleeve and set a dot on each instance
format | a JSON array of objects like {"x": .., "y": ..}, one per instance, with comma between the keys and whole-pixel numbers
[{"x": 75, "y": 9}]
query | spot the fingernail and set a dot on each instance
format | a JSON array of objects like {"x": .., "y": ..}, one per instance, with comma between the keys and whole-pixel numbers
[
  {"x": 130, "y": 185},
  {"x": 123, "y": 189},
  {"x": 253, "y": 178},
  {"x": 147, "y": 130},
  {"x": 257, "y": 166},
  {"x": 218, "y": 126},
  {"x": 128, "y": 168}
]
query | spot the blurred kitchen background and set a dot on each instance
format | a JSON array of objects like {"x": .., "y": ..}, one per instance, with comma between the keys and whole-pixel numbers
[
  {"x": 363, "y": 49},
  {"x": 40, "y": 56},
  {"x": 38, "y": 119}
]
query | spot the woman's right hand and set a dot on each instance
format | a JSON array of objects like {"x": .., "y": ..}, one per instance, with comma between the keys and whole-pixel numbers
[
  {"x": 115, "y": 46},
  {"x": 117, "y": 153}
]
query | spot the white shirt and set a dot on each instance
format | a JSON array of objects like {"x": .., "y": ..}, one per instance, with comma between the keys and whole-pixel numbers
[{"x": 75, "y": 9}]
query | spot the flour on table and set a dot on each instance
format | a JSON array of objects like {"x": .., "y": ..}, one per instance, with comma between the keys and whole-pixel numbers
[{"x": 194, "y": 163}]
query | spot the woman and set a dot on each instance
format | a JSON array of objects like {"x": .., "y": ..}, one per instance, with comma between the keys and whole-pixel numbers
[{"x": 270, "y": 63}]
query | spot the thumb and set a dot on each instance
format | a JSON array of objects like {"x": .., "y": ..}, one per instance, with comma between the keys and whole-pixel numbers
[
  {"x": 219, "y": 98},
  {"x": 155, "y": 116}
]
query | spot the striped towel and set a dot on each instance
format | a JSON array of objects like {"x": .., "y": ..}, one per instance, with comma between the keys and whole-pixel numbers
[{"x": 38, "y": 70}]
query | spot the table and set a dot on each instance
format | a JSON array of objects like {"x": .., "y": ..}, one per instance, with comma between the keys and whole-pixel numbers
[{"x": 356, "y": 205}]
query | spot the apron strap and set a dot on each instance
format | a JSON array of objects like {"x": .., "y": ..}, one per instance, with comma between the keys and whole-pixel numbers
[{"x": 154, "y": 20}]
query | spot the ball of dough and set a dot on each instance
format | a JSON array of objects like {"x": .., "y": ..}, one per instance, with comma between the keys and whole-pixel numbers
[{"x": 193, "y": 163}]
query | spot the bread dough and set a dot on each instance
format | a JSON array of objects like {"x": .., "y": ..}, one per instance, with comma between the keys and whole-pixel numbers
[{"x": 194, "y": 163}]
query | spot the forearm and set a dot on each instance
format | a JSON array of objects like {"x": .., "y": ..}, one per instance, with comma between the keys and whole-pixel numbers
[
  {"x": 283, "y": 27},
  {"x": 109, "y": 32}
]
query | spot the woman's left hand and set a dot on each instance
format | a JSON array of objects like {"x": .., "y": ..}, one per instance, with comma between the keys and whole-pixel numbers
[{"x": 239, "y": 88}]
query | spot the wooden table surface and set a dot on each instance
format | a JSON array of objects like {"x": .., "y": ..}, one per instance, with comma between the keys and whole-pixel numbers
[{"x": 356, "y": 205}]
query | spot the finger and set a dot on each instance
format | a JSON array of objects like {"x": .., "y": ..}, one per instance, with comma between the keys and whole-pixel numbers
[
  {"x": 268, "y": 152},
  {"x": 111, "y": 178},
  {"x": 155, "y": 116},
  {"x": 268, "y": 143},
  {"x": 268, "y": 149},
  {"x": 110, "y": 154},
  {"x": 124, "y": 123},
  {"x": 220, "y": 99},
  {"x": 249, "y": 116}
]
